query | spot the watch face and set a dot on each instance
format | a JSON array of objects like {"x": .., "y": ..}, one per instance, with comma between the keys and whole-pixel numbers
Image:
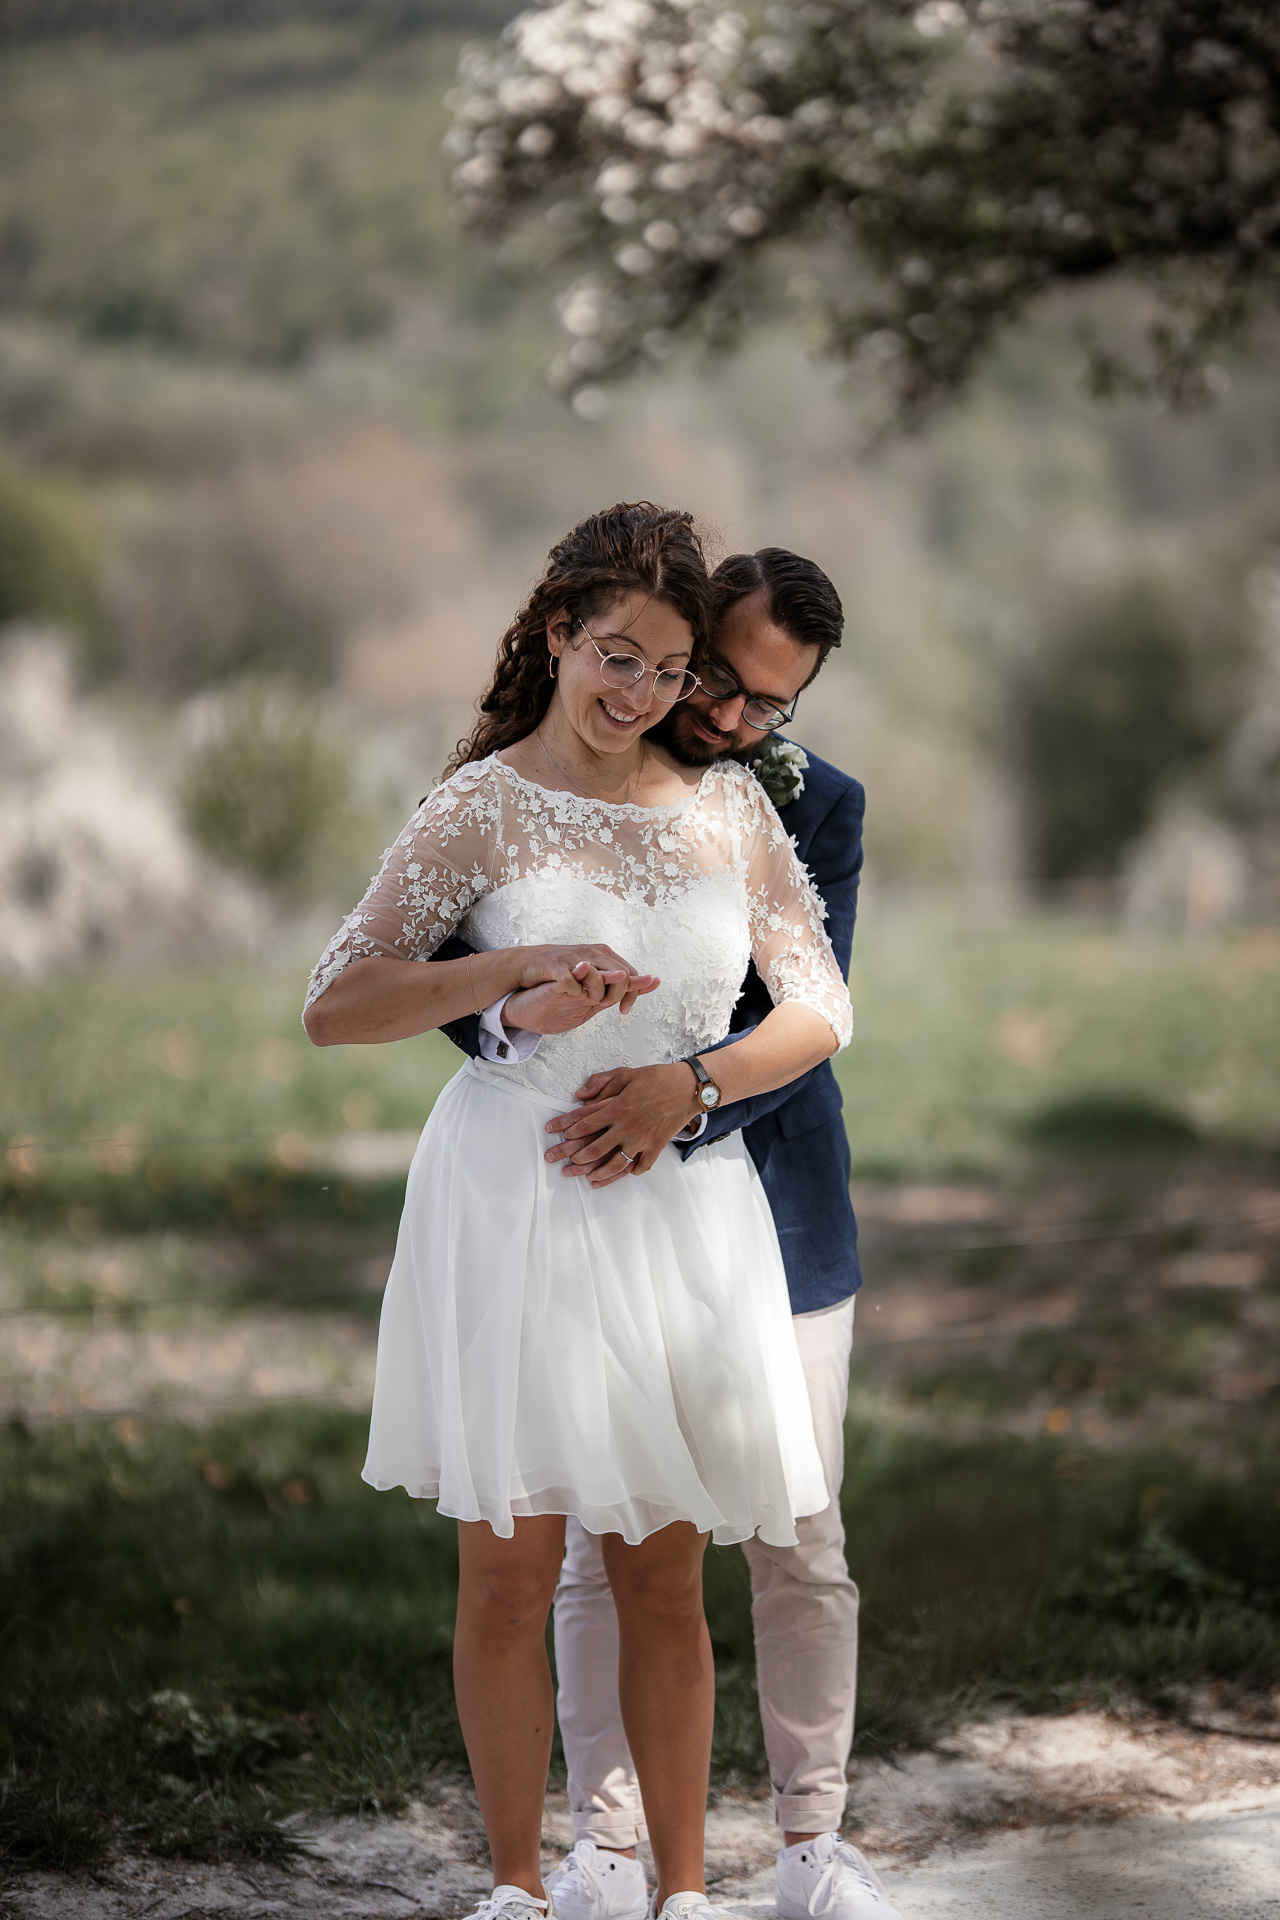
[{"x": 710, "y": 1096}]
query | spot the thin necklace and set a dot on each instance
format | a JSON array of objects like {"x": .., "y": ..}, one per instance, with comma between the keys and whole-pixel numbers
[{"x": 644, "y": 754}]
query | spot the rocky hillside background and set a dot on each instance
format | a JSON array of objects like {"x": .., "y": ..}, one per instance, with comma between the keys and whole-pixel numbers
[{"x": 277, "y": 463}]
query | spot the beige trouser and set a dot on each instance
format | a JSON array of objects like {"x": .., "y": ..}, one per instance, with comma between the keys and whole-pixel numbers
[{"x": 804, "y": 1610}]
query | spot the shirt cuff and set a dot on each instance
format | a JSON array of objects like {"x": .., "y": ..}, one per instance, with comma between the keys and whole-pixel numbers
[
  {"x": 695, "y": 1129},
  {"x": 497, "y": 1044}
]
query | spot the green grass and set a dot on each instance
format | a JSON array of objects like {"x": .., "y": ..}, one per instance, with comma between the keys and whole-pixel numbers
[
  {"x": 1117, "y": 1362},
  {"x": 1151, "y": 1046},
  {"x": 187, "y": 1080},
  {"x": 1024, "y": 1574},
  {"x": 164, "y": 1098},
  {"x": 207, "y": 1631}
]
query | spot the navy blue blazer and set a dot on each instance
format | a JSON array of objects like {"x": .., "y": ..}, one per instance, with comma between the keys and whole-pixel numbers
[{"x": 796, "y": 1134}]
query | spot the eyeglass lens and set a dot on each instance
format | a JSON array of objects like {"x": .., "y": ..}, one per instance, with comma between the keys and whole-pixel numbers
[
  {"x": 721, "y": 685},
  {"x": 625, "y": 670}
]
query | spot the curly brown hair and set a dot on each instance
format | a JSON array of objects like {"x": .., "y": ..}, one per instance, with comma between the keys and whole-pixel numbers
[{"x": 633, "y": 547}]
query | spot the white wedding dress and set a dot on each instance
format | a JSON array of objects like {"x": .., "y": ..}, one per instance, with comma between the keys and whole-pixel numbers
[{"x": 625, "y": 1355}]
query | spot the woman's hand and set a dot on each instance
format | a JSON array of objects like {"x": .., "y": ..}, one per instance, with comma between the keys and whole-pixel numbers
[
  {"x": 379, "y": 997},
  {"x": 580, "y": 970},
  {"x": 635, "y": 1111},
  {"x": 561, "y": 1005}
]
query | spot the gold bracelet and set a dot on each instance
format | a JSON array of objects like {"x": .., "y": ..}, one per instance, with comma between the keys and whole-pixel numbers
[{"x": 471, "y": 983}]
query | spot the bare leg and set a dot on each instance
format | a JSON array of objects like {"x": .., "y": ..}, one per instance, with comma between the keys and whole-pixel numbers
[
  {"x": 666, "y": 1685},
  {"x": 502, "y": 1683}
]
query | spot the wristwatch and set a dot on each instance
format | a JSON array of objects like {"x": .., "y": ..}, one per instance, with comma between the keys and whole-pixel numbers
[{"x": 709, "y": 1094}]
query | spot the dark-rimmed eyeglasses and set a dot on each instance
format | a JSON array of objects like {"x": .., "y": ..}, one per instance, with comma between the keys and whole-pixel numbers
[
  {"x": 626, "y": 670},
  {"x": 764, "y": 715}
]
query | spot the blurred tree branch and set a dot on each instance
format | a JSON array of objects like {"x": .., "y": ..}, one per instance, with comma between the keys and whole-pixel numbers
[{"x": 943, "y": 164}]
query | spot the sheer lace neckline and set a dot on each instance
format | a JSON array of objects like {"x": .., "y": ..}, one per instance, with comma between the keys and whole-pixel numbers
[
  {"x": 607, "y": 806},
  {"x": 514, "y": 864}
]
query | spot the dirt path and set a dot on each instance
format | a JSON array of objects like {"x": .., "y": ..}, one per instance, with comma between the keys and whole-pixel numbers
[{"x": 1018, "y": 1819}]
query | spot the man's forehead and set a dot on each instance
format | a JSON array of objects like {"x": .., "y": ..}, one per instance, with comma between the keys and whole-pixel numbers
[{"x": 761, "y": 654}]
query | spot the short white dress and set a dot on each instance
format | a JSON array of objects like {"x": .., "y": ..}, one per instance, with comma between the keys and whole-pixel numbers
[{"x": 624, "y": 1355}]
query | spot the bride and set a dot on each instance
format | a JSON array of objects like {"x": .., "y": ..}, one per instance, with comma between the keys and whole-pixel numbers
[{"x": 616, "y": 1349}]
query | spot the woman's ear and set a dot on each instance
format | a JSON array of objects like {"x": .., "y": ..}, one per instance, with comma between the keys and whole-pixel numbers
[{"x": 559, "y": 626}]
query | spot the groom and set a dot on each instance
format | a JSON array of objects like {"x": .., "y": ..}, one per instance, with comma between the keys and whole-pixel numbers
[{"x": 779, "y": 617}]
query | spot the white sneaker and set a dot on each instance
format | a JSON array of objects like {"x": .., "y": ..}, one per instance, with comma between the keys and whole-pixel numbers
[
  {"x": 593, "y": 1884},
  {"x": 683, "y": 1906},
  {"x": 827, "y": 1879},
  {"x": 513, "y": 1903}
]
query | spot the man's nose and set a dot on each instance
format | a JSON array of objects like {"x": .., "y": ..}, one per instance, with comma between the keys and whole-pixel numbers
[{"x": 728, "y": 712}]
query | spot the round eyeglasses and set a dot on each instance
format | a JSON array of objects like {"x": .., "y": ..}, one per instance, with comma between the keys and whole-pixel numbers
[
  {"x": 626, "y": 670},
  {"x": 763, "y": 715}
]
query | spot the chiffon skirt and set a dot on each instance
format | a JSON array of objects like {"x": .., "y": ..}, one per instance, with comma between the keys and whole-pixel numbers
[{"x": 625, "y": 1356}]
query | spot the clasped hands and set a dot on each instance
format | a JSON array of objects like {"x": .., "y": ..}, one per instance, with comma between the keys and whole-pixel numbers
[
  {"x": 561, "y": 988},
  {"x": 629, "y": 1114}
]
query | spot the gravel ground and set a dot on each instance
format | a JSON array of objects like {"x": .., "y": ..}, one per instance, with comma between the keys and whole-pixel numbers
[{"x": 1017, "y": 1819}]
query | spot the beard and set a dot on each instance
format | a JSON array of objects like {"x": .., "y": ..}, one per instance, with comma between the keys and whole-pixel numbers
[{"x": 676, "y": 734}]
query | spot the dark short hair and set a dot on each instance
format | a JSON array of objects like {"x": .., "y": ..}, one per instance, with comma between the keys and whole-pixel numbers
[{"x": 801, "y": 599}]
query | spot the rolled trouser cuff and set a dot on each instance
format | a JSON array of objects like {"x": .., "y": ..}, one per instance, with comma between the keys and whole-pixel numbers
[
  {"x": 808, "y": 1812},
  {"x": 615, "y": 1830}
]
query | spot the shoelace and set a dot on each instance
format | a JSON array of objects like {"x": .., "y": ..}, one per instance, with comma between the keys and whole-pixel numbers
[
  {"x": 844, "y": 1856},
  {"x": 514, "y": 1898},
  {"x": 572, "y": 1870}
]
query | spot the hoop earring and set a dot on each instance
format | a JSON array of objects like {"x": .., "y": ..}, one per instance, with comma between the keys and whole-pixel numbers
[{"x": 551, "y": 666}]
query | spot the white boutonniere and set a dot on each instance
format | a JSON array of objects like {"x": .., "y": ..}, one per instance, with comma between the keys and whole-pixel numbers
[{"x": 780, "y": 771}]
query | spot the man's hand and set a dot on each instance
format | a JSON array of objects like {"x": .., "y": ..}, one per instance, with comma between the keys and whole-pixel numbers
[
  {"x": 634, "y": 1111},
  {"x": 561, "y": 1005},
  {"x": 580, "y": 969}
]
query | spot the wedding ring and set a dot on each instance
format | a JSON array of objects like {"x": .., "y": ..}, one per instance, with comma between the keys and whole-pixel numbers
[{"x": 630, "y": 1158}]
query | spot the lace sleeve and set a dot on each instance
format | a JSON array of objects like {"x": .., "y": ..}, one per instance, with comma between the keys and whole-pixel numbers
[
  {"x": 789, "y": 942},
  {"x": 439, "y": 866}
]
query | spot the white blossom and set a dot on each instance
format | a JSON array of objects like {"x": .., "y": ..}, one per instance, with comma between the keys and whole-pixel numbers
[
  {"x": 634, "y": 259},
  {"x": 671, "y": 139}
]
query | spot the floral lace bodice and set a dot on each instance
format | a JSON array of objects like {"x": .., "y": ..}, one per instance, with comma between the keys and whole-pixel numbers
[{"x": 690, "y": 892}]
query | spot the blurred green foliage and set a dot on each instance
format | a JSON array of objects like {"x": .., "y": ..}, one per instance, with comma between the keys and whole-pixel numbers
[
  {"x": 131, "y": 21},
  {"x": 247, "y": 193},
  {"x": 221, "y": 248},
  {"x": 269, "y": 792},
  {"x": 1130, "y": 693},
  {"x": 48, "y": 568}
]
